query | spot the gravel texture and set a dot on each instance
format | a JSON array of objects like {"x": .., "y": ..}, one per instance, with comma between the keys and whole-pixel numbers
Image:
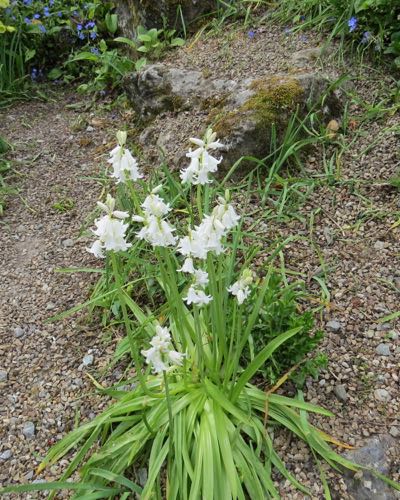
[
  {"x": 43, "y": 384},
  {"x": 350, "y": 220}
]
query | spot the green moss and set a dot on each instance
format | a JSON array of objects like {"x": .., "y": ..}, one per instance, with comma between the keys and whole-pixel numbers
[{"x": 271, "y": 101}]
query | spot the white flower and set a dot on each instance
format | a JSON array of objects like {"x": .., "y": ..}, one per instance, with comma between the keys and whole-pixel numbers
[
  {"x": 125, "y": 166},
  {"x": 201, "y": 162},
  {"x": 111, "y": 233},
  {"x": 226, "y": 214},
  {"x": 97, "y": 249},
  {"x": 157, "y": 232},
  {"x": 188, "y": 266},
  {"x": 240, "y": 288},
  {"x": 160, "y": 352},
  {"x": 110, "y": 230},
  {"x": 193, "y": 245},
  {"x": 154, "y": 205},
  {"x": 201, "y": 278},
  {"x": 197, "y": 297}
]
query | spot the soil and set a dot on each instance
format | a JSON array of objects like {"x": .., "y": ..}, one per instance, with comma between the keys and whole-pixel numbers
[{"x": 350, "y": 242}]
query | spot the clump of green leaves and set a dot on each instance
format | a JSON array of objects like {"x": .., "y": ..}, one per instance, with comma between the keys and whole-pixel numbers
[
  {"x": 280, "y": 312},
  {"x": 153, "y": 42}
]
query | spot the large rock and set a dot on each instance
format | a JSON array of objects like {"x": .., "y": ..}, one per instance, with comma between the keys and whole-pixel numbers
[
  {"x": 154, "y": 14},
  {"x": 243, "y": 113},
  {"x": 375, "y": 454}
]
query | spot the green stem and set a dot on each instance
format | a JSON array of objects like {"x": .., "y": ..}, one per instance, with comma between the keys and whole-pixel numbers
[{"x": 170, "y": 417}]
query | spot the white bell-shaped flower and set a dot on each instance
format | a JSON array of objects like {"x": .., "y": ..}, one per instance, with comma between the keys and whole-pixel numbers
[{"x": 161, "y": 355}]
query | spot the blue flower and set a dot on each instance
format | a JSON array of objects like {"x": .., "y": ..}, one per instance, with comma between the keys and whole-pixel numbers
[
  {"x": 59, "y": 13},
  {"x": 95, "y": 50},
  {"x": 90, "y": 25},
  {"x": 93, "y": 35},
  {"x": 366, "y": 37},
  {"x": 81, "y": 36},
  {"x": 251, "y": 34},
  {"x": 42, "y": 28},
  {"x": 36, "y": 16},
  {"x": 51, "y": 3},
  {"x": 28, "y": 2},
  {"x": 27, "y": 20},
  {"x": 34, "y": 73},
  {"x": 46, "y": 11},
  {"x": 79, "y": 27},
  {"x": 352, "y": 23}
]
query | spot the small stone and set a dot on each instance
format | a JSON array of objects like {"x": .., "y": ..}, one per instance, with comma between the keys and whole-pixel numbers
[
  {"x": 19, "y": 332},
  {"x": 340, "y": 392},
  {"x": 67, "y": 243},
  {"x": 334, "y": 326},
  {"x": 382, "y": 395},
  {"x": 89, "y": 128},
  {"x": 370, "y": 334},
  {"x": 393, "y": 431},
  {"x": 142, "y": 476},
  {"x": 50, "y": 306},
  {"x": 379, "y": 245},
  {"x": 6, "y": 455},
  {"x": 383, "y": 327},
  {"x": 29, "y": 475},
  {"x": 3, "y": 376},
  {"x": 383, "y": 350},
  {"x": 29, "y": 430},
  {"x": 88, "y": 359}
]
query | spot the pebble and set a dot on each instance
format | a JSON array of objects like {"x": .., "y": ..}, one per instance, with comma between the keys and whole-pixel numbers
[
  {"x": 29, "y": 430},
  {"x": 6, "y": 455},
  {"x": 18, "y": 332},
  {"x": 393, "y": 431},
  {"x": 382, "y": 395},
  {"x": 383, "y": 350},
  {"x": 334, "y": 326},
  {"x": 89, "y": 128},
  {"x": 379, "y": 245},
  {"x": 50, "y": 305},
  {"x": 67, "y": 243},
  {"x": 88, "y": 359},
  {"x": 341, "y": 393},
  {"x": 3, "y": 376}
]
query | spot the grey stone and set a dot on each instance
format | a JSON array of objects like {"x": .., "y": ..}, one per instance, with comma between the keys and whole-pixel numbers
[
  {"x": 19, "y": 332},
  {"x": 383, "y": 350},
  {"x": 379, "y": 245},
  {"x": 340, "y": 392},
  {"x": 364, "y": 485},
  {"x": 334, "y": 326},
  {"x": 382, "y": 395},
  {"x": 6, "y": 455},
  {"x": 383, "y": 327},
  {"x": 67, "y": 242},
  {"x": 304, "y": 57},
  {"x": 160, "y": 14},
  {"x": 3, "y": 376},
  {"x": 89, "y": 128},
  {"x": 88, "y": 359},
  {"x": 50, "y": 306},
  {"x": 142, "y": 476},
  {"x": 29, "y": 430},
  {"x": 158, "y": 88},
  {"x": 394, "y": 431}
]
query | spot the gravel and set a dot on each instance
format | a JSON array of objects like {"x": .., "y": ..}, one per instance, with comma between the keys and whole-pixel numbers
[{"x": 3, "y": 376}]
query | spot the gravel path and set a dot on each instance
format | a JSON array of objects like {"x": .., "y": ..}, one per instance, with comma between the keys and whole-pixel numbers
[{"x": 42, "y": 379}]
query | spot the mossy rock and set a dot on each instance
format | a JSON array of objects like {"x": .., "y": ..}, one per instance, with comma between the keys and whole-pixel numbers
[{"x": 246, "y": 122}]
